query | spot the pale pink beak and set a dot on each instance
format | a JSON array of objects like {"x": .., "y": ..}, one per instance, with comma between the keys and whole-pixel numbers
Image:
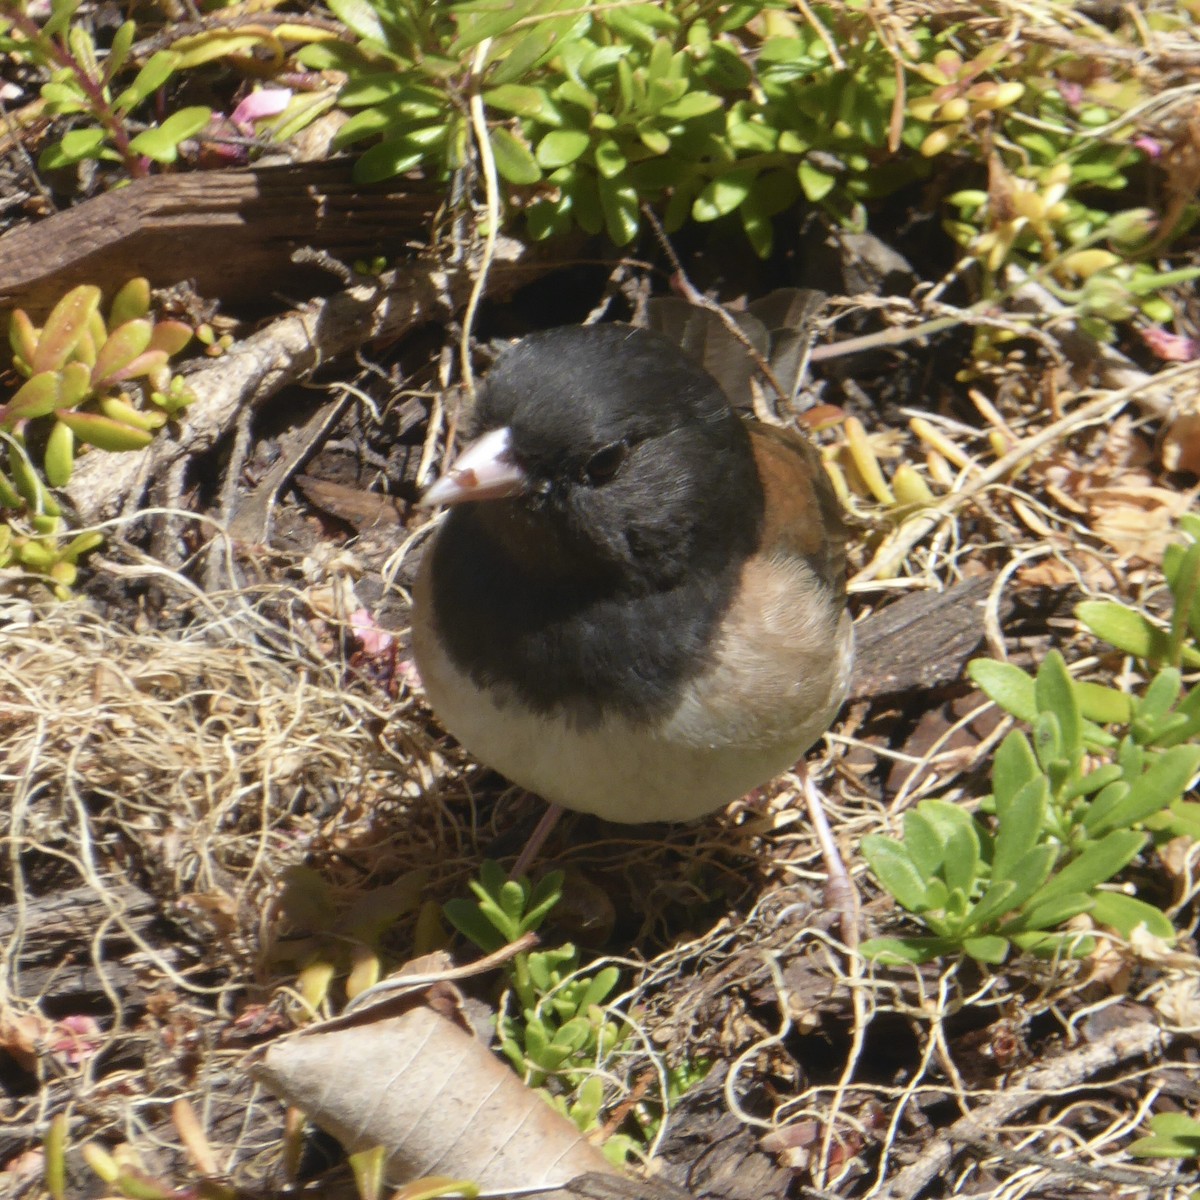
[{"x": 485, "y": 470}]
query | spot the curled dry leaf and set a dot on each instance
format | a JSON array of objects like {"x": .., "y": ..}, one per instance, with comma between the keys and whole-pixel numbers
[
  {"x": 1178, "y": 1002},
  {"x": 1137, "y": 520},
  {"x": 406, "y": 1075},
  {"x": 1180, "y": 448}
]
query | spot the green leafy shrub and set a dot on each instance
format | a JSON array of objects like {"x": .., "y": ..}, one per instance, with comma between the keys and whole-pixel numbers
[
  {"x": 704, "y": 110},
  {"x": 90, "y": 380},
  {"x": 1071, "y": 807},
  {"x": 593, "y": 112},
  {"x": 560, "y": 1028},
  {"x": 83, "y": 82},
  {"x": 556, "y": 1031},
  {"x": 700, "y": 109}
]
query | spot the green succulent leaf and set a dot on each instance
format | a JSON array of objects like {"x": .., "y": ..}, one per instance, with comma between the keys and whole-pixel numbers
[
  {"x": 619, "y": 203},
  {"x": 58, "y": 459},
  {"x": 65, "y": 326},
  {"x": 546, "y": 893},
  {"x": 961, "y": 868},
  {"x": 1164, "y": 781},
  {"x": 561, "y": 147},
  {"x": 1039, "y": 915},
  {"x": 690, "y": 106},
  {"x": 757, "y": 225},
  {"x": 994, "y": 903},
  {"x": 1104, "y": 705},
  {"x": 815, "y": 183},
  {"x": 1054, "y": 945},
  {"x": 35, "y": 398},
  {"x": 524, "y": 101},
  {"x": 1097, "y": 864},
  {"x": 170, "y": 337},
  {"x": 105, "y": 433},
  {"x": 1013, "y": 767},
  {"x": 162, "y": 142},
  {"x": 892, "y": 866},
  {"x": 1125, "y": 913},
  {"x": 361, "y": 18},
  {"x": 118, "y": 50},
  {"x": 123, "y": 346},
  {"x": 514, "y": 159},
  {"x": 1027, "y": 875},
  {"x": 1006, "y": 685},
  {"x": 158, "y": 69},
  {"x": 610, "y": 161},
  {"x": 389, "y": 158},
  {"x": 76, "y": 146},
  {"x": 923, "y": 843},
  {"x": 988, "y": 948},
  {"x": 1054, "y": 692},
  {"x": 1125, "y": 628},
  {"x": 914, "y": 951},
  {"x": 1173, "y": 1135},
  {"x": 131, "y": 302},
  {"x": 1180, "y": 580},
  {"x": 1020, "y": 823},
  {"x": 1048, "y": 742},
  {"x": 722, "y": 195},
  {"x": 1160, "y": 695}
]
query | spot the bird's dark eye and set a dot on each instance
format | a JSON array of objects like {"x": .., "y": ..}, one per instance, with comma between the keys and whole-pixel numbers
[{"x": 604, "y": 464}]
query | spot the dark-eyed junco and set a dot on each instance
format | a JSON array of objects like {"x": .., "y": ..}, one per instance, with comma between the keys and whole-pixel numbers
[{"x": 636, "y": 607}]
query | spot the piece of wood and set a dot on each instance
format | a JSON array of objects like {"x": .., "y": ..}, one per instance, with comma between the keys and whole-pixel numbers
[
  {"x": 62, "y": 955},
  {"x": 922, "y": 641},
  {"x": 231, "y": 232}
]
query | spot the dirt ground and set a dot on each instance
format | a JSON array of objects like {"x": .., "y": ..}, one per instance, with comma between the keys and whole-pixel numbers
[{"x": 226, "y": 795}]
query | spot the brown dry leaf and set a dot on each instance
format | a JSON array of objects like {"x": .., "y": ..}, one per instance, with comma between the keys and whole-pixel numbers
[
  {"x": 1136, "y": 519},
  {"x": 1180, "y": 448},
  {"x": 406, "y": 1077},
  {"x": 1153, "y": 949},
  {"x": 1112, "y": 488},
  {"x": 1047, "y": 572},
  {"x": 20, "y": 1036}
]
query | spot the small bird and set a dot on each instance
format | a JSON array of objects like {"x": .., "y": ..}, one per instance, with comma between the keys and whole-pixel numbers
[{"x": 636, "y": 605}]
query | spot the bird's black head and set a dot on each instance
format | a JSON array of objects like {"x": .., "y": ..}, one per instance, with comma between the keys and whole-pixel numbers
[{"x": 632, "y": 466}]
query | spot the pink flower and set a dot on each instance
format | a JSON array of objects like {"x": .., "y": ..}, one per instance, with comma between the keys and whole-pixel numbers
[
  {"x": 266, "y": 102},
  {"x": 374, "y": 640},
  {"x": 75, "y": 1038},
  {"x": 1170, "y": 347}
]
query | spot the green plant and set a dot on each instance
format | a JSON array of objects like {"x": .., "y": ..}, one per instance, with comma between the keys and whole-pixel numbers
[
  {"x": 89, "y": 381},
  {"x": 1070, "y": 809},
  {"x": 1032, "y": 221},
  {"x": 560, "y": 1028},
  {"x": 83, "y": 83},
  {"x": 555, "y": 1030},
  {"x": 964, "y": 95},
  {"x": 124, "y": 1172},
  {"x": 1172, "y": 1135},
  {"x": 699, "y": 108},
  {"x": 1134, "y": 633},
  {"x": 705, "y": 110}
]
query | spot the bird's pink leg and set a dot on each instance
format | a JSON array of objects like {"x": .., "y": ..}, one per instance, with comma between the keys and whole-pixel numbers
[
  {"x": 536, "y": 840},
  {"x": 840, "y": 892}
]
